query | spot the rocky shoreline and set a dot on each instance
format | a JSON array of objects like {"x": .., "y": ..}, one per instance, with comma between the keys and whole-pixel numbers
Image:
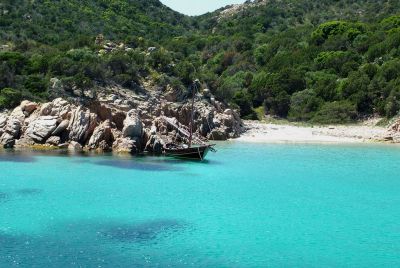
[
  {"x": 115, "y": 120},
  {"x": 123, "y": 121}
]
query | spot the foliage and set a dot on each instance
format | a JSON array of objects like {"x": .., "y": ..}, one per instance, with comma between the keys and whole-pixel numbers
[
  {"x": 243, "y": 100},
  {"x": 320, "y": 61},
  {"x": 338, "y": 112},
  {"x": 304, "y": 105},
  {"x": 9, "y": 98}
]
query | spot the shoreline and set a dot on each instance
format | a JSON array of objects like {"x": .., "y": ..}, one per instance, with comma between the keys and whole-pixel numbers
[{"x": 261, "y": 132}]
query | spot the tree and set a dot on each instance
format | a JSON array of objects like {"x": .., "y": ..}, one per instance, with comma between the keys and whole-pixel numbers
[
  {"x": 9, "y": 98},
  {"x": 303, "y": 105},
  {"x": 335, "y": 60},
  {"x": 323, "y": 84},
  {"x": 36, "y": 84},
  {"x": 338, "y": 112},
  {"x": 243, "y": 100},
  {"x": 278, "y": 104},
  {"x": 186, "y": 71}
]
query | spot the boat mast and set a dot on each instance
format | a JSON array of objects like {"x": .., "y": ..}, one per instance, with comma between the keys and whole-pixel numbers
[{"x": 194, "y": 86}]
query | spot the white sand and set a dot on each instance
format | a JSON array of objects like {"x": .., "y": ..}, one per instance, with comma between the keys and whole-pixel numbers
[{"x": 271, "y": 133}]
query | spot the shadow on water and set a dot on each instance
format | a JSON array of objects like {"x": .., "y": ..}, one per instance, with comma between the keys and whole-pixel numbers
[
  {"x": 180, "y": 161},
  {"x": 3, "y": 197},
  {"x": 136, "y": 165},
  {"x": 18, "y": 157},
  {"x": 140, "y": 162},
  {"x": 85, "y": 244},
  {"x": 143, "y": 232},
  {"x": 28, "y": 191},
  {"x": 31, "y": 251}
]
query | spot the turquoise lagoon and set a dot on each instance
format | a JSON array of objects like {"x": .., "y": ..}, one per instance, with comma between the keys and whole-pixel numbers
[{"x": 249, "y": 205}]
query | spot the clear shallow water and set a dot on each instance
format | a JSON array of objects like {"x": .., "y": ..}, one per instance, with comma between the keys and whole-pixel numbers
[{"x": 250, "y": 205}]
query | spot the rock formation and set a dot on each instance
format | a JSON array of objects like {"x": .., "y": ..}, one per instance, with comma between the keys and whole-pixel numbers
[
  {"x": 393, "y": 133},
  {"x": 119, "y": 120},
  {"x": 41, "y": 128}
]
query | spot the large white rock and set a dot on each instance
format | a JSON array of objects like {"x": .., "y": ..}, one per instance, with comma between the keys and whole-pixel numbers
[
  {"x": 40, "y": 129},
  {"x": 101, "y": 133},
  {"x": 7, "y": 140},
  {"x": 81, "y": 125},
  {"x": 10, "y": 133},
  {"x": 13, "y": 127},
  {"x": 18, "y": 114},
  {"x": 133, "y": 126},
  {"x": 58, "y": 107}
]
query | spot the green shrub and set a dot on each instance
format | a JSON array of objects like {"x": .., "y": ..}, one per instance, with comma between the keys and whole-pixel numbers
[
  {"x": 303, "y": 105},
  {"x": 338, "y": 112},
  {"x": 36, "y": 84},
  {"x": 243, "y": 100},
  {"x": 9, "y": 98},
  {"x": 278, "y": 105}
]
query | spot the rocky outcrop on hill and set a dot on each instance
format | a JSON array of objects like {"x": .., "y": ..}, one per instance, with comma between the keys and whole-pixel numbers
[
  {"x": 231, "y": 10},
  {"x": 115, "y": 119}
]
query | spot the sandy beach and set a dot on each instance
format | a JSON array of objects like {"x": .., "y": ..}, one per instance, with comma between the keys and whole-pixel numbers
[{"x": 276, "y": 133}]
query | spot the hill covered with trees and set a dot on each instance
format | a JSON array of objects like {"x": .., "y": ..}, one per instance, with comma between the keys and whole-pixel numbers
[{"x": 323, "y": 61}]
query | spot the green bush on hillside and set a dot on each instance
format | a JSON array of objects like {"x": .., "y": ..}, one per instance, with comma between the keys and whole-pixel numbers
[
  {"x": 338, "y": 112},
  {"x": 9, "y": 98}
]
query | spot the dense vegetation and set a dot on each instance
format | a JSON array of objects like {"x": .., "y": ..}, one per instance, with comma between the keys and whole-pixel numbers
[{"x": 328, "y": 61}]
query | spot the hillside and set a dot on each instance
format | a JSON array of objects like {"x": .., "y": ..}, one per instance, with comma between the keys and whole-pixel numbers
[
  {"x": 52, "y": 22},
  {"x": 325, "y": 61}
]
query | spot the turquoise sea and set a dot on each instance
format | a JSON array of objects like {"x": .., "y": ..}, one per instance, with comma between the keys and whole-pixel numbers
[{"x": 249, "y": 205}]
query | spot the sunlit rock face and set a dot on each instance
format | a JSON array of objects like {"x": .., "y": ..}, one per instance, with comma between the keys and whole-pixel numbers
[{"x": 117, "y": 119}]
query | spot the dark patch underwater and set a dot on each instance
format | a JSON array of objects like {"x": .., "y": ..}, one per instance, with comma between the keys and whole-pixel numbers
[
  {"x": 3, "y": 197},
  {"x": 143, "y": 232},
  {"x": 135, "y": 165},
  {"x": 29, "y": 191},
  {"x": 90, "y": 244},
  {"x": 17, "y": 158},
  {"x": 31, "y": 251}
]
